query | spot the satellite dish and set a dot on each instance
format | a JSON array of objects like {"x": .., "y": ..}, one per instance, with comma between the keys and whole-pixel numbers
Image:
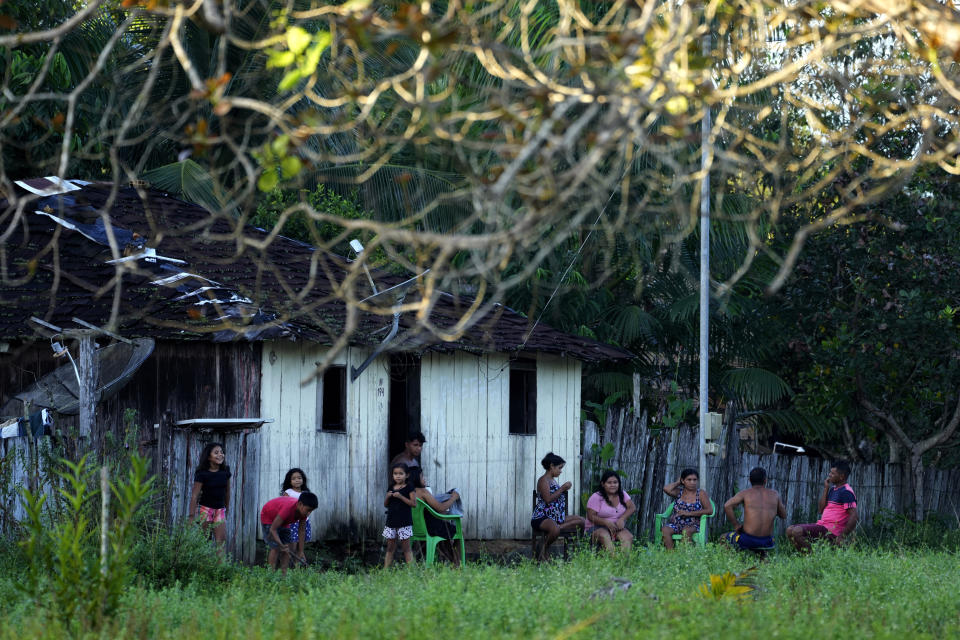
[{"x": 60, "y": 390}]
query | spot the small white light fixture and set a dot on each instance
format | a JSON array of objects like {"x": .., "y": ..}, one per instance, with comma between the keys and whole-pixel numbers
[
  {"x": 795, "y": 448},
  {"x": 59, "y": 351},
  {"x": 357, "y": 246}
]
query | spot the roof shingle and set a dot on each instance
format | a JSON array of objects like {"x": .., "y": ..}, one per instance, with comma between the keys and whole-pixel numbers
[{"x": 186, "y": 273}]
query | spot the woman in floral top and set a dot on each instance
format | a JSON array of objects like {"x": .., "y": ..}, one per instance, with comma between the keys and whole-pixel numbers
[
  {"x": 550, "y": 508},
  {"x": 690, "y": 502}
]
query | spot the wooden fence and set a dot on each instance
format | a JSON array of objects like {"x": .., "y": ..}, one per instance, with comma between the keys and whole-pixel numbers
[
  {"x": 23, "y": 463},
  {"x": 649, "y": 458},
  {"x": 21, "y": 466}
]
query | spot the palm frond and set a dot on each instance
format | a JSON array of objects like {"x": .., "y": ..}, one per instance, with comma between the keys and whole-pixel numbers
[
  {"x": 630, "y": 322},
  {"x": 791, "y": 421},
  {"x": 189, "y": 181},
  {"x": 610, "y": 382},
  {"x": 756, "y": 387},
  {"x": 685, "y": 308}
]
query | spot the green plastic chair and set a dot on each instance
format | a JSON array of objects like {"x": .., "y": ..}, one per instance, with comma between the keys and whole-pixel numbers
[
  {"x": 699, "y": 538},
  {"x": 420, "y": 531}
]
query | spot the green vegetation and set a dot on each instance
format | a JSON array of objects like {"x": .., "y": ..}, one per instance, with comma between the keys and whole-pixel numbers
[
  {"x": 872, "y": 333},
  {"x": 876, "y": 593},
  {"x": 171, "y": 583},
  {"x": 300, "y": 226},
  {"x": 66, "y": 574}
]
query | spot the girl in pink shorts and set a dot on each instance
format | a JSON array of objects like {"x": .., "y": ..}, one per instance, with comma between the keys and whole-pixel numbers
[{"x": 211, "y": 492}]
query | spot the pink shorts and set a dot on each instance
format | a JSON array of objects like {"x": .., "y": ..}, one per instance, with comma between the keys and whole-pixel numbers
[{"x": 211, "y": 516}]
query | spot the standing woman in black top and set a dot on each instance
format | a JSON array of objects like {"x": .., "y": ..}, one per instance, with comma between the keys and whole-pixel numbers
[{"x": 211, "y": 492}]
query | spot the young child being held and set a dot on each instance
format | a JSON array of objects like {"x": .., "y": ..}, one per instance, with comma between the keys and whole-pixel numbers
[{"x": 399, "y": 518}]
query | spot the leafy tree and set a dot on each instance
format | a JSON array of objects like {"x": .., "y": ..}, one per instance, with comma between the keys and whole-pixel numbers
[
  {"x": 875, "y": 337},
  {"x": 281, "y": 208},
  {"x": 49, "y": 91},
  {"x": 599, "y": 293}
]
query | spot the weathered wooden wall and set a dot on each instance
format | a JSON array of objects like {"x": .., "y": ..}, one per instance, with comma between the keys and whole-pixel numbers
[
  {"x": 184, "y": 380},
  {"x": 179, "y": 381},
  {"x": 241, "y": 452},
  {"x": 465, "y": 413},
  {"x": 21, "y": 466},
  {"x": 650, "y": 458},
  {"x": 346, "y": 470}
]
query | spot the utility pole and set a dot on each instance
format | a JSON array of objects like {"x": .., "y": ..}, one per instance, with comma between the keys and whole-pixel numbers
[
  {"x": 86, "y": 368},
  {"x": 87, "y": 384},
  {"x": 704, "y": 277}
]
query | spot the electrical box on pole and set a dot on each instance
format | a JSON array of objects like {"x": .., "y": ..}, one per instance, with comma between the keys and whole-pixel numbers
[{"x": 713, "y": 427}]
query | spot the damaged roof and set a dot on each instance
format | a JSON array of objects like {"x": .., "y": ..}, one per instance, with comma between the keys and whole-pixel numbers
[{"x": 185, "y": 273}]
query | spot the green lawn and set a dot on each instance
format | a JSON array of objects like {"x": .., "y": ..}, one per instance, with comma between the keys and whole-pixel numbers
[{"x": 830, "y": 594}]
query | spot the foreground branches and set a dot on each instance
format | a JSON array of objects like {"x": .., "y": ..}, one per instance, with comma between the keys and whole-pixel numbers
[{"x": 481, "y": 138}]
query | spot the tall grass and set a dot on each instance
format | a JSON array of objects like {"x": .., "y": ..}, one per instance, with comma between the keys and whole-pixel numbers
[
  {"x": 166, "y": 557},
  {"x": 891, "y": 530},
  {"x": 832, "y": 593}
]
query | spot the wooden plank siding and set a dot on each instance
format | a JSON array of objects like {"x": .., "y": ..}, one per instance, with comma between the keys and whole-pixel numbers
[
  {"x": 183, "y": 457},
  {"x": 465, "y": 416},
  {"x": 464, "y": 405},
  {"x": 347, "y": 470},
  {"x": 179, "y": 381},
  {"x": 649, "y": 458}
]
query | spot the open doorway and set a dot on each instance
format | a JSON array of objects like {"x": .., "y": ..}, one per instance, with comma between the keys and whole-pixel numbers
[{"x": 404, "y": 400}]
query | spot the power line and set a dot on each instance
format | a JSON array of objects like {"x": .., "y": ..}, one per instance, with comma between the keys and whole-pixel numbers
[{"x": 567, "y": 270}]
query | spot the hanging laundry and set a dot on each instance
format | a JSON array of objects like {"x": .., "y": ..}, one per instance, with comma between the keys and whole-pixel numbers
[
  {"x": 13, "y": 428},
  {"x": 41, "y": 424}
]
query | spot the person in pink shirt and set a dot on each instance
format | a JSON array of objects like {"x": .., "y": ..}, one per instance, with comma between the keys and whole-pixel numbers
[
  {"x": 838, "y": 511},
  {"x": 607, "y": 513},
  {"x": 276, "y": 516}
]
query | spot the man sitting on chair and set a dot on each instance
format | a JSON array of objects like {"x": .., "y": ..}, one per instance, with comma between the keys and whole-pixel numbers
[
  {"x": 838, "y": 511},
  {"x": 760, "y": 507}
]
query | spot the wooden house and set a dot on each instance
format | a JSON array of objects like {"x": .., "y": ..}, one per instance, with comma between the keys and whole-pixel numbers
[{"x": 240, "y": 324}]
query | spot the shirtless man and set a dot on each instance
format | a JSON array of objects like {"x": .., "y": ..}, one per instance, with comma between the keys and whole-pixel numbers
[{"x": 760, "y": 507}]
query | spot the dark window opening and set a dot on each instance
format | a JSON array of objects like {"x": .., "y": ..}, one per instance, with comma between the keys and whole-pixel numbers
[
  {"x": 404, "y": 414},
  {"x": 523, "y": 396},
  {"x": 333, "y": 399}
]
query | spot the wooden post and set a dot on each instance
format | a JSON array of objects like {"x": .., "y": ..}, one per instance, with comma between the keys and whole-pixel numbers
[
  {"x": 104, "y": 517},
  {"x": 88, "y": 385},
  {"x": 591, "y": 436}
]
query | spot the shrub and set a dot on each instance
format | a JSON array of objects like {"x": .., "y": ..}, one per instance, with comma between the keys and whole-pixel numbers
[
  {"x": 165, "y": 557},
  {"x": 895, "y": 530},
  {"x": 76, "y": 569},
  {"x": 299, "y": 225}
]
